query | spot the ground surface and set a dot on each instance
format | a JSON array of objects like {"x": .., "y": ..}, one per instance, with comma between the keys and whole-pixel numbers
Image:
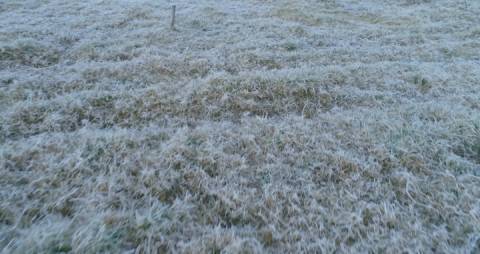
[{"x": 257, "y": 126}]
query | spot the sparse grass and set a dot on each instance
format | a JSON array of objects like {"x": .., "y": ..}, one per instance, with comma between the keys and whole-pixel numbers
[{"x": 258, "y": 127}]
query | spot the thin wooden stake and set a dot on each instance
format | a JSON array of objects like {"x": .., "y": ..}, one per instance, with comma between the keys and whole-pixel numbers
[{"x": 172, "y": 25}]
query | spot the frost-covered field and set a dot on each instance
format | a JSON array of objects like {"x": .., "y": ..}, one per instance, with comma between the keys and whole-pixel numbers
[{"x": 258, "y": 126}]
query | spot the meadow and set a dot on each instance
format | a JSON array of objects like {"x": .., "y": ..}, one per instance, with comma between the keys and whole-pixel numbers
[{"x": 256, "y": 126}]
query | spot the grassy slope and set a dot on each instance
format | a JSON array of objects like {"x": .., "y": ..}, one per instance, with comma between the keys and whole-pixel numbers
[{"x": 257, "y": 126}]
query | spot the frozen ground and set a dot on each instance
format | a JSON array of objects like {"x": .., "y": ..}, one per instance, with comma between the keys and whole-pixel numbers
[{"x": 257, "y": 126}]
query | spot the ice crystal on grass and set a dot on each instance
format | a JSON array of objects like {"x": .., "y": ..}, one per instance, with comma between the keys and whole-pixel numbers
[{"x": 255, "y": 127}]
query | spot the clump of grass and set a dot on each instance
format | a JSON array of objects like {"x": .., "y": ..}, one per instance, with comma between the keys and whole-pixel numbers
[
  {"x": 290, "y": 46},
  {"x": 253, "y": 61},
  {"x": 469, "y": 150},
  {"x": 413, "y": 2},
  {"x": 231, "y": 98},
  {"x": 423, "y": 84},
  {"x": 6, "y": 216},
  {"x": 30, "y": 53},
  {"x": 296, "y": 14}
]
